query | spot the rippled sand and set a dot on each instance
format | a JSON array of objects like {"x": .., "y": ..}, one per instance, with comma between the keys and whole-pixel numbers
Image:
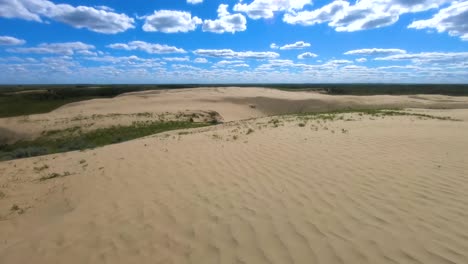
[{"x": 367, "y": 190}]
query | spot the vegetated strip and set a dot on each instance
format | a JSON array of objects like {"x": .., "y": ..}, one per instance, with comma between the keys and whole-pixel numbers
[
  {"x": 331, "y": 115},
  {"x": 52, "y": 143}
]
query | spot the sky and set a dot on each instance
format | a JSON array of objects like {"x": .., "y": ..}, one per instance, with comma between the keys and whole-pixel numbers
[{"x": 233, "y": 41}]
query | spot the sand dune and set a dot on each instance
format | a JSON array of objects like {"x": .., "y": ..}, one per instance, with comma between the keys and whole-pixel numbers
[
  {"x": 363, "y": 189},
  {"x": 231, "y": 103}
]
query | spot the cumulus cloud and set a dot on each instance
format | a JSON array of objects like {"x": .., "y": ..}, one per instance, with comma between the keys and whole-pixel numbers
[
  {"x": 307, "y": 55},
  {"x": 200, "y": 60},
  {"x": 375, "y": 52},
  {"x": 453, "y": 19},
  {"x": 11, "y": 41},
  {"x": 176, "y": 59},
  {"x": 230, "y": 54},
  {"x": 66, "y": 48},
  {"x": 228, "y": 62},
  {"x": 274, "y": 46},
  {"x": 266, "y": 8},
  {"x": 147, "y": 47},
  {"x": 297, "y": 45},
  {"x": 170, "y": 21},
  {"x": 361, "y": 60},
  {"x": 338, "y": 62},
  {"x": 226, "y": 22},
  {"x": 321, "y": 15},
  {"x": 194, "y": 2},
  {"x": 362, "y": 15},
  {"x": 94, "y": 19}
]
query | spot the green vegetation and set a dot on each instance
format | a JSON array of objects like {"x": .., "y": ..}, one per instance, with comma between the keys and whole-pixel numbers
[
  {"x": 377, "y": 89},
  {"x": 62, "y": 141}
]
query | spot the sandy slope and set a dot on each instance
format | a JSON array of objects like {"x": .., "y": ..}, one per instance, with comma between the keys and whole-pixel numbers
[
  {"x": 372, "y": 190},
  {"x": 231, "y": 103}
]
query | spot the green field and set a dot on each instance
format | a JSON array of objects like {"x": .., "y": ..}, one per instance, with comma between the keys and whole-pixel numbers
[{"x": 74, "y": 139}]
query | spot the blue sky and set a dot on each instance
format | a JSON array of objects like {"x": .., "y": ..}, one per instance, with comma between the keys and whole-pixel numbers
[{"x": 233, "y": 41}]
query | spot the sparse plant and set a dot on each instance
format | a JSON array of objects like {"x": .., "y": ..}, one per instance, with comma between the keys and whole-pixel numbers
[
  {"x": 249, "y": 131},
  {"x": 54, "y": 175},
  {"x": 216, "y": 136},
  {"x": 39, "y": 169},
  {"x": 301, "y": 124}
]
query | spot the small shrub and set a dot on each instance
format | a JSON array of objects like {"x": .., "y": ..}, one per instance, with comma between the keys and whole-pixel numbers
[
  {"x": 301, "y": 125},
  {"x": 249, "y": 131},
  {"x": 14, "y": 207},
  {"x": 39, "y": 169}
]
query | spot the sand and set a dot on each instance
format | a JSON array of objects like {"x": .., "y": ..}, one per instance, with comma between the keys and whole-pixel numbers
[{"x": 359, "y": 190}]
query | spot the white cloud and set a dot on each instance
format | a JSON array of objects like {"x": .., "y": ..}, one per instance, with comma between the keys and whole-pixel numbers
[
  {"x": 338, "y": 62},
  {"x": 66, "y": 48},
  {"x": 224, "y": 63},
  {"x": 66, "y": 69},
  {"x": 297, "y": 45},
  {"x": 230, "y": 54},
  {"x": 194, "y": 2},
  {"x": 429, "y": 57},
  {"x": 87, "y": 53},
  {"x": 200, "y": 60},
  {"x": 266, "y": 8},
  {"x": 361, "y": 60},
  {"x": 375, "y": 52},
  {"x": 147, "y": 47},
  {"x": 453, "y": 19},
  {"x": 169, "y": 21},
  {"x": 274, "y": 46},
  {"x": 362, "y": 15},
  {"x": 307, "y": 55},
  {"x": 176, "y": 59},
  {"x": 10, "y": 41},
  {"x": 317, "y": 16},
  {"x": 97, "y": 20},
  {"x": 226, "y": 22},
  {"x": 105, "y": 8},
  {"x": 127, "y": 60}
]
